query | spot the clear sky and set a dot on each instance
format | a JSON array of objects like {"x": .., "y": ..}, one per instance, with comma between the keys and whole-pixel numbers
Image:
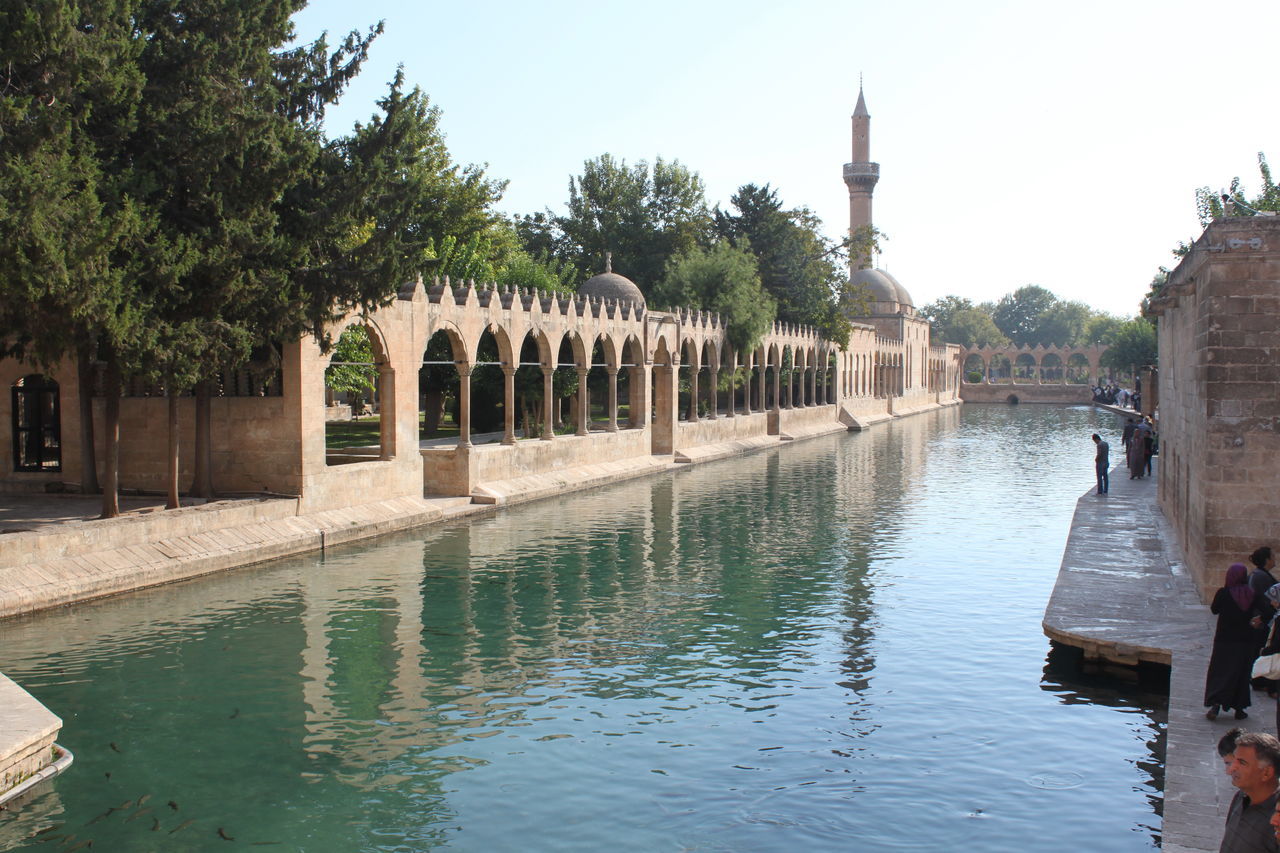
[{"x": 1022, "y": 142}]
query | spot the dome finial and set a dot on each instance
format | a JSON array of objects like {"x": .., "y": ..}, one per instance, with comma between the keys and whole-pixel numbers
[{"x": 608, "y": 261}]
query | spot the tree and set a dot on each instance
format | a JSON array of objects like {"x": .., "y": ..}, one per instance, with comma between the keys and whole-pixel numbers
[
  {"x": 798, "y": 266},
  {"x": 1101, "y": 329},
  {"x": 1063, "y": 324},
  {"x": 724, "y": 279},
  {"x": 352, "y": 369},
  {"x": 1134, "y": 346},
  {"x": 1018, "y": 314},
  {"x": 973, "y": 327},
  {"x": 204, "y": 215},
  {"x": 71, "y": 90},
  {"x": 643, "y": 216}
]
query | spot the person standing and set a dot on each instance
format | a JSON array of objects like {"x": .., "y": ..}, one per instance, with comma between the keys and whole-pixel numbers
[
  {"x": 1130, "y": 424},
  {"x": 1102, "y": 464},
  {"x": 1254, "y": 763},
  {"x": 1235, "y": 645},
  {"x": 1136, "y": 457}
]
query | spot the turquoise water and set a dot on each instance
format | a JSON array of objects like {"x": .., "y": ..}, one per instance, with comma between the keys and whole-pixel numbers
[{"x": 832, "y": 646}]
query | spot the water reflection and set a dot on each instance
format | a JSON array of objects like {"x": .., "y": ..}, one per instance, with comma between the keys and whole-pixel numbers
[{"x": 793, "y": 649}]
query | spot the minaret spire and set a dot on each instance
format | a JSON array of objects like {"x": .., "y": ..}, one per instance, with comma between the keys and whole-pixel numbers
[{"x": 861, "y": 175}]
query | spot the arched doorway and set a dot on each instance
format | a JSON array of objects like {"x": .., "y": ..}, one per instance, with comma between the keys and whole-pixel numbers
[{"x": 37, "y": 425}]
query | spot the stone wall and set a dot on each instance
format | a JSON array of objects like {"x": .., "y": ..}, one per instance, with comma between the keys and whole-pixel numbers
[
  {"x": 981, "y": 392},
  {"x": 1219, "y": 390}
]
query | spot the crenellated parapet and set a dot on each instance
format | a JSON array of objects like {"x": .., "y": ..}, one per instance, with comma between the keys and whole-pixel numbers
[{"x": 1038, "y": 364}]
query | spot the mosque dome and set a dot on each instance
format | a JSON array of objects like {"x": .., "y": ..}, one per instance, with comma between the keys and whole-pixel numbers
[
  {"x": 885, "y": 290},
  {"x": 611, "y": 286}
]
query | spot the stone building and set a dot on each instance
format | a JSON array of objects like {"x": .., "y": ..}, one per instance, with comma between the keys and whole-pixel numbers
[
  {"x": 892, "y": 313},
  {"x": 1219, "y": 391},
  {"x": 667, "y": 386}
]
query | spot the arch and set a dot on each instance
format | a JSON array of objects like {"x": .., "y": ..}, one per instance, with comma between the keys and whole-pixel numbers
[
  {"x": 1051, "y": 368},
  {"x": 443, "y": 364},
  {"x": 37, "y": 424},
  {"x": 1078, "y": 370},
  {"x": 974, "y": 368},
  {"x": 1024, "y": 368},
  {"x": 358, "y": 374},
  {"x": 999, "y": 368}
]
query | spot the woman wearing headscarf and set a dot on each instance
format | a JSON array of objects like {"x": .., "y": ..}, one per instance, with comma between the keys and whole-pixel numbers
[
  {"x": 1235, "y": 645},
  {"x": 1136, "y": 452}
]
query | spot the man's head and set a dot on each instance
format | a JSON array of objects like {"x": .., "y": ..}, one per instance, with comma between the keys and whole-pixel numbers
[
  {"x": 1261, "y": 557},
  {"x": 1226, "y": 746},
  {"x": 1254, "y": 763},
  {"x": 1096, "y": 438}
]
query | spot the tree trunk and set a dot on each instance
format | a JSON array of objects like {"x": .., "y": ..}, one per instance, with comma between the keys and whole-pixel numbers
[
  {"x": 111, "y": 465},
  {"x": 88, "y": 452},
  {"x": 202, "y": 482},
  {"x": 432, "y": 408},
  {"x": 172, "y": 395}
]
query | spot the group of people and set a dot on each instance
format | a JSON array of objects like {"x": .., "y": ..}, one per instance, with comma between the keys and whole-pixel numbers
[
  {"x": 1114, "y": 395},
  {"x": 1140, "y": 444},
  {"x": 1248, "y": 610},
  {"x": 1139, "y": 440}
]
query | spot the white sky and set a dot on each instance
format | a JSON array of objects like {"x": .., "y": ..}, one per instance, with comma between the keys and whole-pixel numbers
[{"x": 1024, "y": 142}]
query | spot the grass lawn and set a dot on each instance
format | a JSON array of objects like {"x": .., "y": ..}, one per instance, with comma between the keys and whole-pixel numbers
[{"x": 366, "y": 431}]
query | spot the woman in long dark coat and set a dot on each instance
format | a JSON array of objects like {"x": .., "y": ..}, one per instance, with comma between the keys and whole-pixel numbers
[{"x": 1235, "y": 645}]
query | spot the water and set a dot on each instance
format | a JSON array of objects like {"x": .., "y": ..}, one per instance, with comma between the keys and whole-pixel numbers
[{"x": 832, "y": 646}]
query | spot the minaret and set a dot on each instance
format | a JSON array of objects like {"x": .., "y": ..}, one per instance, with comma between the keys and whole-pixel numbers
[{"x": 860, "y": 175}]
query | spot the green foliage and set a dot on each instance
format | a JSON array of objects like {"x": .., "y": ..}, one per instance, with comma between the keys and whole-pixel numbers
[
  {"x": 1102, "y": 329},
  {"x": 799, "y": 268},
  {"x": 1134, "y": 345},
  {"x": 642, "y": 216},
  {"x": 1018, "y": 315},
  {"x": 71, "y": 90},
  {"x": 352, "y": 370},
  {"x": 724, "y": 279},
  {"x": 1234, "y": 202}
]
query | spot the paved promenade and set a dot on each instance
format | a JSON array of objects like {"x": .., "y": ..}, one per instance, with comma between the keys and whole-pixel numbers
[{"x": 1122, "y": 595}]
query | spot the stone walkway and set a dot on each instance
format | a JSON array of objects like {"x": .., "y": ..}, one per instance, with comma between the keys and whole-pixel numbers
[{"x": 1122, "y": 595}]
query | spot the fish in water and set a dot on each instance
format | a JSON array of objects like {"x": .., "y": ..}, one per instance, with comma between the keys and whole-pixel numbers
[
  {"x": 222, "y": 833},
  {"x": 101, "y": 816},
  {"x": 139, "y": 813},
  {"x": 88, "y": 842},
  {"x": 50, "y": 828},
  {"x": 234, "y": 714},
  {"x": 155, "y": 824},
  {"x": 127, "y": 804},
  {"x": 182, "y": 825},
  {"x": 173, "y": 805},
  {"x": 113, "y": 746},
  {"x": 143, "y": 798}
]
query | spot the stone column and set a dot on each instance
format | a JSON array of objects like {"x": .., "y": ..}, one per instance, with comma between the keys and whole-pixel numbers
[
  {"x": 508, "y": 404},
  {"x": 713, "y": 395},
  {"x": 548, "y": 410},
  {"x": 777, "y": 388},
  {"x": 584, "y": 404},
  {"x": 386, "y": 412},
  {"x": 613, "y": 398},
  {"x": 464, "y": 405},
  {"x": 733, "y": 391},
  {"x": 764, "y": 368},
  {"x": 693, "y": 391}
]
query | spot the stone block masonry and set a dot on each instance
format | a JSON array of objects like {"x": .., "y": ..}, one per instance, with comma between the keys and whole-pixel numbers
[{"x": 1219, "y": 336}]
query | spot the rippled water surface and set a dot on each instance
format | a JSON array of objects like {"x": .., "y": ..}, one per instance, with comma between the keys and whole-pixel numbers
[{"x": 831, "y": 646}]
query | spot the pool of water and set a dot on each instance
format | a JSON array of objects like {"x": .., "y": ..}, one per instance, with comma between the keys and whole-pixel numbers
[{"x": 831, "y": 646}]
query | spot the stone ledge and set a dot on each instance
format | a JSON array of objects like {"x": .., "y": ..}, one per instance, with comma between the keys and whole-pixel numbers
[{"x": 27, "y": 732}]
